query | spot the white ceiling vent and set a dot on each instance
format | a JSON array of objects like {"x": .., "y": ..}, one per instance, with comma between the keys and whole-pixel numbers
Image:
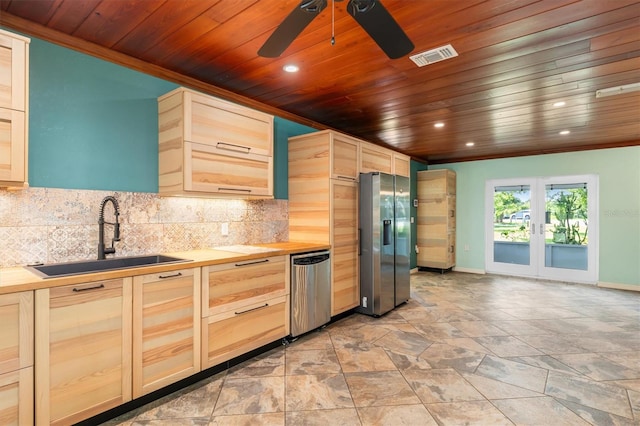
[{"x": 434, "y": 55}]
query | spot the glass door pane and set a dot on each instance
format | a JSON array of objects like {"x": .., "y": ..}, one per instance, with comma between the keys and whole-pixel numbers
[
  {"x": 512, "y": 219},
  {"x": 570, "y": 228}
]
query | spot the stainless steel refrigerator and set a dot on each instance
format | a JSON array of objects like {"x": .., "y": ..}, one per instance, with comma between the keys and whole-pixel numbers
[{"x": 385, "y": 242}]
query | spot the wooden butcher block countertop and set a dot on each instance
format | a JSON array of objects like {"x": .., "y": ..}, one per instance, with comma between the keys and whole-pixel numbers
[{"x": 18, "y": 278}]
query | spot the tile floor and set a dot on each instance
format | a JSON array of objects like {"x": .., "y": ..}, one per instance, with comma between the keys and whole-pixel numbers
[{"x": 465, "y": 350}]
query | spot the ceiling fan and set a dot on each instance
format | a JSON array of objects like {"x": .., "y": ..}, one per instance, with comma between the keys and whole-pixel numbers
[{"x": 370, "y": 14}]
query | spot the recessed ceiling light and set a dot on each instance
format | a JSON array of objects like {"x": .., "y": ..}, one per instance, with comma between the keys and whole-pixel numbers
[
  {"x": 438, "y": 125},
  {"x": 291, "y": 68},
  {"x": 470, "y": 144},
  {"x": 565, "y": 132},
  {"x": 559, "y": 104}
]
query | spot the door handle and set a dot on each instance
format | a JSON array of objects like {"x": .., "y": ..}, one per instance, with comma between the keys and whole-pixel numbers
[{"x": 533, "y": 228}]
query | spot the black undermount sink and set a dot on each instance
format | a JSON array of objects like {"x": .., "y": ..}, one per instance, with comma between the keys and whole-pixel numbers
[{"x": 88, "y": 266}]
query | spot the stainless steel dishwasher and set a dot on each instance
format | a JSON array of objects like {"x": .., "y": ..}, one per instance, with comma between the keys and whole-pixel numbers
[{"x": 310, "y": 291}]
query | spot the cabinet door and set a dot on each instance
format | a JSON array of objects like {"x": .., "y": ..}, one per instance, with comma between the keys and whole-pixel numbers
[
  {"x": 236, "y": 332},
  {"x": 375, "y": 159},
  {"x": 16, "y": 397},
  {"x": 227, "y": 126},
  {"x": 83, "y": 350},
  {"x": 16, "y": 332},
  {"x": 166, "y": 328},
  {"x": 230, "y": 286},
  {"x": 14, "y": 55},
  {"x": 209, "y": 169},
  {"x": 345, "y": 283},
  {"x": 401, "y": 165},
  {"x": 13, "y": 162},
  {"x": 344, "y": 158}
]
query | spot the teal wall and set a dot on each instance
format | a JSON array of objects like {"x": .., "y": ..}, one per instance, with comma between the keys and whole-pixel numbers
[
  {"x": 619, "y": 204},
  {"x": 94, "y": 124},
  {"x": 415, "y": 167},
  {"x": 284, "y": 129}
]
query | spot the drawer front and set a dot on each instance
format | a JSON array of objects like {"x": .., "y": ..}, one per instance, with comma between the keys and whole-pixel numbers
[
  {"x": 230, "y": 286},
  {"x": 16, "y": 331},
  {"x": 234, "y": 333},
  {"x": 16, "y": 397},
  {"x": 210, "y": 169},
  {"x": 230, "y": 127}
]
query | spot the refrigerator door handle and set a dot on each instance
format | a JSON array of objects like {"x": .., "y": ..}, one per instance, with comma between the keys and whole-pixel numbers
[
  {"x": 386, "y": 232},
  {"x": 359, "y": 241}
]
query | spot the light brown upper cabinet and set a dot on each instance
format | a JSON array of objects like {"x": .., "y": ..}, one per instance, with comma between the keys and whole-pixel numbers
[
  {"x": 208, "y": 146},
  {"x": 14, "y": 100},
  {"x": 401, "y": 164},
  {"x": 375, "y": 158}
]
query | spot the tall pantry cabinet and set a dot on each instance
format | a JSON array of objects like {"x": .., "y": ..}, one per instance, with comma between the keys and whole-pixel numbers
[
  {"x": 323, "y": 206},
  {"x": 436, "y": 219}
]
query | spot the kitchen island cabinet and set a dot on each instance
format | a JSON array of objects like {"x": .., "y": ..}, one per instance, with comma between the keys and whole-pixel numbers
[
  {"x": 83, "y": 350},
  {"x": 166, "y": 328},
  {"x": 245, "y": 305},
  {"x": 14, "y": 101},
  {"x": 16, "y": 358},
  {"x": 208, "y": 146}
]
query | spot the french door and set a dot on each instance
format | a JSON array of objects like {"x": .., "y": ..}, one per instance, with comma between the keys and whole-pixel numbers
[{"x": 543, "y": 227}]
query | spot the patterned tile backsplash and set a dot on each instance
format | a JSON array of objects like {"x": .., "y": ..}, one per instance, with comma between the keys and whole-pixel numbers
[{"x": 59, "y": 225}]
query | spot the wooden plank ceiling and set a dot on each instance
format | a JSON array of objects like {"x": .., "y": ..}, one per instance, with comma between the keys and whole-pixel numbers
[{"x": 516, "y": 59}]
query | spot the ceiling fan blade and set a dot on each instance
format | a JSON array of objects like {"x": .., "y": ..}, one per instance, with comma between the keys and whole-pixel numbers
[
  {"x": 381, "y": 27},
  {"x": 291, "y": 27}
]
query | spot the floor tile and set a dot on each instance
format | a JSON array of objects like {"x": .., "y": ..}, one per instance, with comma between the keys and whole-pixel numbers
[
  {"x": 344, "y": 416},
  {"x": 601, "y": 396},
  {"x": 265, "y": 419},
  {"x": 480, "y": 413},
  {"x": 440, "y": 355},
  {"x": 597, "y": 367},
  {"x": 439, "y": 332},
  {"x": 380, "y": 388},
  {"x": 317, "y": 392},
  {"x": 495, "y": 389},
  {"x": 251, "y": 396},
  {"x": 507, "y": 346},
  {"x": 315, "y": 361},
  {"x": 479, "y": 329},
  {"x": 399, "y": 415},
  {"x": 513, "y": 373},
  {"x": 269, "y": 364},
  {"x": 403, "y": 342},
  {"x": 364, "y": 359},
  {"x": 538, "y": 411},
  {"x": 442, "y": 385}
]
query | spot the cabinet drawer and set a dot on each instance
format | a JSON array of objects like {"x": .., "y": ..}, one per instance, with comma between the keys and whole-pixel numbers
[
  {"x": 233, "y": 333},
  {"x": 211, "y": 169},
  {"x": 228, "y": 126},
  {"x": 16, "y": 331},
  {"x": 232, "y": 285},
  {"x": 16, "y": 397}
]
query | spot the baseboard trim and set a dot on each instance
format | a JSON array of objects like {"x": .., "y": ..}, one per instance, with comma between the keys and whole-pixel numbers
[
  {"x": 413, "y": 271},
  {"x": 469, "y": 270},
  {"x": 618, "y": 286}
]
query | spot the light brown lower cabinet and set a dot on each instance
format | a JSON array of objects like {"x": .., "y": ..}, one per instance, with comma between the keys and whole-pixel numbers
[
  {"x": 16, "y": 358},
  {"x": 166, "y": 328},
  {"x": 82, "y": 350},
  {"x": 245, "y": 306}
]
